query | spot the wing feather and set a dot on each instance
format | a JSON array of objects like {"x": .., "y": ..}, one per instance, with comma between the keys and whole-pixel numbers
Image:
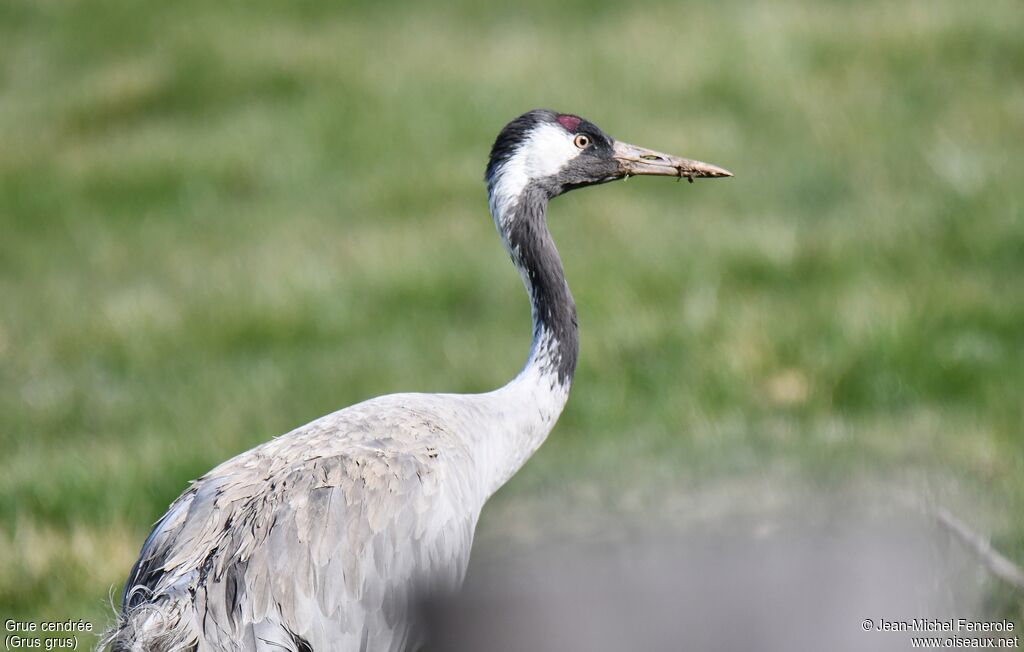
[{"x": 315, "y": 540}]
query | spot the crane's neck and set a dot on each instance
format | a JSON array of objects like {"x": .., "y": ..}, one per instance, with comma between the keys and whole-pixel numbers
[
  {"x": 528, "y": 406},
  {"x": 529, "y": 243}
]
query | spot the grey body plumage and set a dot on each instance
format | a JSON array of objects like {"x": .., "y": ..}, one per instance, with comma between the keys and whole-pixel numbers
[{"x": 319, "y": 540}]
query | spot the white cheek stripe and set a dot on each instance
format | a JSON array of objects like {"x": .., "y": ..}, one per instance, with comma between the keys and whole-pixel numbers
[
  {"x": 547, "y": 150},
  {"x": 543, "y": 153}
]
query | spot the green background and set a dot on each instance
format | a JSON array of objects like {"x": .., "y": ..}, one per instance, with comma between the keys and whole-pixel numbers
[{"x": 220, "y": 220}]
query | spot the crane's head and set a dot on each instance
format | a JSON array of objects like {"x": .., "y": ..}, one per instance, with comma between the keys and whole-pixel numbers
[{"x": 558, "y": 152}]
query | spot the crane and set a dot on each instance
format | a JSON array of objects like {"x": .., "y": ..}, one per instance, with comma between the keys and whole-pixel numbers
[{"x": 321, "y": 539}]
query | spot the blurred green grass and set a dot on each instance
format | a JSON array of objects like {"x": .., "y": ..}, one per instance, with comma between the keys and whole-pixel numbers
[{"x": 221, "y": 220}]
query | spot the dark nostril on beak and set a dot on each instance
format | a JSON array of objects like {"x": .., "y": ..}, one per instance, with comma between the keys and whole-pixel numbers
[{"x": 652, "y": 157}]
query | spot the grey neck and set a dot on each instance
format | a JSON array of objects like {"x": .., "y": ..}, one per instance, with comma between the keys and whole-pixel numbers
[{"x": 555, "y": 337}]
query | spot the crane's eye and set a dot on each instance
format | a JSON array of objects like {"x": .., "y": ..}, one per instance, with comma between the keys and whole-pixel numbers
[{"x": 581, "y": 141}]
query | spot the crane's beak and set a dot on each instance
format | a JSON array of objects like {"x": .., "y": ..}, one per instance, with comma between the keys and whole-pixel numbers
[{"x": 636, "y": 161}]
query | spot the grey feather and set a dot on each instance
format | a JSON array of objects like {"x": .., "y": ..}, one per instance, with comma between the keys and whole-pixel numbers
[{"x": 319, "y": 530}]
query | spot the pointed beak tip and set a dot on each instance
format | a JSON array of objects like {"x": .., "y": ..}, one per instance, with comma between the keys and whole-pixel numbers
[{"x": 709, "y": 171}]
